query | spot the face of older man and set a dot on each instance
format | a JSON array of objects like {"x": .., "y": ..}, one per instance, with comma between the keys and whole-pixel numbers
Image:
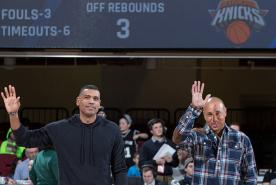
[{"x": 214, "y": 114}]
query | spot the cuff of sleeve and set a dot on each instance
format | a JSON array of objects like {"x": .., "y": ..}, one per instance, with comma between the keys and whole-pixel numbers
[
  {"x": 195, "y": 111},
  {"x": 19, "y": 131},
  {"x": 190, "y": 114}
]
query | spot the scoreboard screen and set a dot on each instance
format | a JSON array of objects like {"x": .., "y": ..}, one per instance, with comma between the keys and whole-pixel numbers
[{"x": 138, "y": 24}]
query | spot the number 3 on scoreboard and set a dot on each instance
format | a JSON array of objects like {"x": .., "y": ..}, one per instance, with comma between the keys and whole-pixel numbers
[{"x": 124, "y": 25}]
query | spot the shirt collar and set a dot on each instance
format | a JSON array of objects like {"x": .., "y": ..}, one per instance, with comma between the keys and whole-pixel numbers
[
  {"x": 212, "y": 135},
  {"x": 163, "y": 139},
  {"x": 153, "y": 183},
  {"x": 209, "y": 131}
]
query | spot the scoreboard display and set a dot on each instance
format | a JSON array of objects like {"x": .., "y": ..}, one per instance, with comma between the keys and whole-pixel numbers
[{"x": 138, "y": 24}]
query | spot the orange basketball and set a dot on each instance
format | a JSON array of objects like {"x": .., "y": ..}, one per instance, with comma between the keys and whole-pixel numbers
[{"x": 238, "y": 32}]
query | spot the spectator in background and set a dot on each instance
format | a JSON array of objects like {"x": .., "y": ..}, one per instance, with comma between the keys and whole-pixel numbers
[
  {"x": 150, "y": 148},
  {"x": 222, "y": 155},
  {"x": 235, "y": 126},
  {"x": 189, "y": 170},
  {"x": 45, "y": 168},
  {"x": 149, "y": 175},
  {"x": 179, "y": 172},
  {"x": 9, "y": 146},
  {"x": 22, "y": 169},
  {"x": 101, "y": 112},
  {"x": 130, "y": 137},
  {"x": 134, "y": 170},
  {"x": 270, "y": 176}
]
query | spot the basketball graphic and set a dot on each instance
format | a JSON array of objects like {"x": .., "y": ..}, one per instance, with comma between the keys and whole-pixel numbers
[
  {"x": 239, "y": 19},
  {"x": 238, "y": 32}
]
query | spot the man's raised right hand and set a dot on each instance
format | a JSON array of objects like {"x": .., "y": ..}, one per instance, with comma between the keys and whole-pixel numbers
[{"x": 197, "y": 92}]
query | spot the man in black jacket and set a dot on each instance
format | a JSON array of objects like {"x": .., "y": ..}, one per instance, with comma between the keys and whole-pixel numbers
[{"x": 88, "y": 146}]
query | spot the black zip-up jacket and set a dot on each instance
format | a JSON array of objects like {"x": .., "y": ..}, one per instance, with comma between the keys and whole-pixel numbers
[{"x": 87, "y": 154}]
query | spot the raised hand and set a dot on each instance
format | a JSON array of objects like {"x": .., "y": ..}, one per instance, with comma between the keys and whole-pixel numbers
[
  {"x": 197, "y": 92},
  {"x": 12, "y": 103}
]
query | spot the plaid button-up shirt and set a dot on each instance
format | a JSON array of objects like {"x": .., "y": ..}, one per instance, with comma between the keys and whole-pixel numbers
[{"x": 226, "y": 161}]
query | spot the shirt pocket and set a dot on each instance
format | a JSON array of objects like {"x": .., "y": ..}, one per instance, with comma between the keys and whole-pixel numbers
[
  {"x": 204, "y": 150},
  {"x": 235, "y": 152}
]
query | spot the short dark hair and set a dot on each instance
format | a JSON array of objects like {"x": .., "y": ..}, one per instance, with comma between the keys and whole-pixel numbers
[
  {"x": 154, "y": 121},
  {"x": 135, "y": 155},
  {"x": 94, "y": 87}
]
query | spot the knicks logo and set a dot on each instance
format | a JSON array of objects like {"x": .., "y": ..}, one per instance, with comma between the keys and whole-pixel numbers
[{"x": 238, "y": 18}]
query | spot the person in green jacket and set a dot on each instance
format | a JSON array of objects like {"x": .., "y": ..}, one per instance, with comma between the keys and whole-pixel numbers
[
  {"x": 9, "y": 146},
  {"x": 45, "y": 168}
]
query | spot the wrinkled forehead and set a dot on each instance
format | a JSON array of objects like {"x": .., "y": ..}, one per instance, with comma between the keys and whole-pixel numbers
[{"x": 214, "y": 106}]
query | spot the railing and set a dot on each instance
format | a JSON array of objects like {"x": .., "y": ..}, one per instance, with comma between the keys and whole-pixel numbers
[
  {"x": 4, "y": 123},
  {"x": 43, "y": 115},
  {"x": 3, "y": 115},
  {"x": 143, "y": 115}
]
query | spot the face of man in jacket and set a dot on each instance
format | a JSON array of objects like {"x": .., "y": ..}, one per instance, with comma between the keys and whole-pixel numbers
[{"x": 89, "y": 102}]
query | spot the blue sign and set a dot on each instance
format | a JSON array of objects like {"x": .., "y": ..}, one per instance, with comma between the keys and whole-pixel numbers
[{"x": 136, "y": 24}]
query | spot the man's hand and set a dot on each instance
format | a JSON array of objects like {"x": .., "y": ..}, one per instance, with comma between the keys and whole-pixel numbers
[
  {"x": 197, "y": 92},
  {"x": 12, "y": 103},
  {"x": 136, "y": 136},
  {"x": 182, "y": 154},
  {"x": 11, "y": 181},
  {"x": 168, "y": 158}
]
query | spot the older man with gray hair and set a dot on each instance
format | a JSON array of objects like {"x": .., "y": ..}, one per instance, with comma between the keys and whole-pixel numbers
[{"x": 222, "y": 156}]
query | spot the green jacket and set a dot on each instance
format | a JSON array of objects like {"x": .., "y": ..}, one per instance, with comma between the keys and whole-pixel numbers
[
  {"x": 45, "y": 168},
  {"x": 3, "y": 148}
]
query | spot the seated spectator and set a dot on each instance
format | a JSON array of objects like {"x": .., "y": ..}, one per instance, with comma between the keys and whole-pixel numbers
[
  {"x": 189, "y": 171},
  {"x": 165, "y": 163},
  {"x": 134, "y": 170},
  {"x": 149, "y": 174},
  {"x": 22, "y": 169},
  {"x": 45, "y": 168},
  {"x": 9, "y": 146},
  {"x": 130, "y": 137},
  {"x": 178, "y": 172},
  {"x": 101, "y": 112},
  {"x": 270, "y": 176}
]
